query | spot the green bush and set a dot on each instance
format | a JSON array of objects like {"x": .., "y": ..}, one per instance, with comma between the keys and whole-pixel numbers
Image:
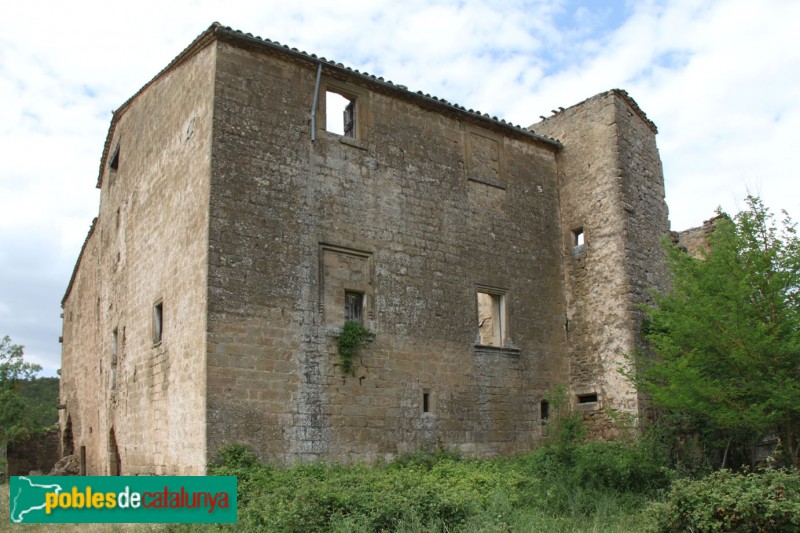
[
  {"x": 554, "y": 488},
  {"x": 727, "y": 501},
  {"x": 420, "y": 489}
]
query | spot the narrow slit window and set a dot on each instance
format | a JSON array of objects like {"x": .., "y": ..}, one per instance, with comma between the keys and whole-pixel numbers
[
  {"x": 158, "y": 322},
  {"x": 114, "y": 337},
  {"x": 354, "y": 306},
  {"x": 491, "y": 318},
  {"x": 426, "y": 402},
  {"x": 340, "y": 114},
  {"x": 113, "y": 163},
  {"x": 578, "y": 237},
  {"x": 544, "y": 410}
]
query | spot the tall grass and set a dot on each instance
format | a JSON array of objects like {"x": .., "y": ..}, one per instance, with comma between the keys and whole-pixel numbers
[{"x": 561, "y": 487}]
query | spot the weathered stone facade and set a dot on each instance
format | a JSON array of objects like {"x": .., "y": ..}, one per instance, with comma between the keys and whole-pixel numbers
[{"x": 237, "y": 232}]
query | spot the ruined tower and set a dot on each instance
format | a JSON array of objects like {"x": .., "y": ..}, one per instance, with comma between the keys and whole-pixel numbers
[{"x": 613, "y": 215}]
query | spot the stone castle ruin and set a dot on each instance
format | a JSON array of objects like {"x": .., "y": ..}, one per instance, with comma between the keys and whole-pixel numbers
[{"x": 240, "y": 226}]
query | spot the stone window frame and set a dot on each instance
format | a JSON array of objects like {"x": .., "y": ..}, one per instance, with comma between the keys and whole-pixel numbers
[
  {"x": 362, "y": 110},
  {"x": 578, "y": 239},
  {"x": 508, "y": 347},
  {"x": 502, "y": 181},
  {"x": 358, "y": 310},
  {"x": 588, "y": 399},
  {"x": 499, "y": 296},
  {"x": 368, "y": 306}
]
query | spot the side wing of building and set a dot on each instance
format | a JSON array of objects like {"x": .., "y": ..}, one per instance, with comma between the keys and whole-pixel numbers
[{"x": 133, "y": 356}]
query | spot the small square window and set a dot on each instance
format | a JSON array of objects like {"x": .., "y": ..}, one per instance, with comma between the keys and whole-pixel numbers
[
  {"x": 491, "y": 318},
  {"x": 354, "y": 306},
  {"x": 340, "y": 114},
  {"x": 158, "y": 322}
]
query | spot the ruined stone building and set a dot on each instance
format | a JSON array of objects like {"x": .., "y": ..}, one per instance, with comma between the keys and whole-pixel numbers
[{"x": 239, "y": 226}]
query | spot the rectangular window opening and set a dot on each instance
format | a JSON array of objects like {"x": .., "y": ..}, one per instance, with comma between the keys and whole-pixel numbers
[
  {"x": 578, "y": 237},
  {"x": 354, "y": 306},
  {"x": 491, "y": 318},
  {"x": 426, "y": 402},
  {"x": 587, "y": 398},
  {"x": 113, "y": 163},
  {"x": 158, "y": 322},
  {"x": 82, "y": 463},
  {"x": 340, "y": 114},
  {"x": 544, "y": 410}
]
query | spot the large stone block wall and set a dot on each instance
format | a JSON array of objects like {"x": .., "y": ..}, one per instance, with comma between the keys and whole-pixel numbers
[
  {"x": 612, "y": 190},
  {"x": 136, "y": 406},
  {"x": 34, "y": 453},
  {"x": 436, "y": 205}
]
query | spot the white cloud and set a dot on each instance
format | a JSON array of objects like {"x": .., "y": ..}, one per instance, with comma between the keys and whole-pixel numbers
[{"x": 720, "y": 78}]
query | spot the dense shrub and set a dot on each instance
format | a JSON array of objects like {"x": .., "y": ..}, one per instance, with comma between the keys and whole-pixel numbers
[
  {"x": 558, "y": 485},
  {"x": 727, "y": 501},
  {"x": 427, "y": 489}
]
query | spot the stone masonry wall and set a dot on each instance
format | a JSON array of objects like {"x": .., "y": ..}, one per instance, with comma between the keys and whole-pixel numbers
[
  {"x": 37, "y": 452},
  {"x": 430, "y": 208},
  {"x": 612, "y": 191},
  {"x": 128, "y": 396}
]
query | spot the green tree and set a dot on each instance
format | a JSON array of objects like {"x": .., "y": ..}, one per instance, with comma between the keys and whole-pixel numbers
[
  {"x": 726, "y": 339},
  {"x": 13, "y": 371}
]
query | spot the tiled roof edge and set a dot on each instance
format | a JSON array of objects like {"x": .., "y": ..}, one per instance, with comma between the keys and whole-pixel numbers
[
  {"x": 218, "y": 30},
  {"x": 378, "y": 80},
  {"x": 78, "y": 262},
  {"x": 195, "y": 46}
]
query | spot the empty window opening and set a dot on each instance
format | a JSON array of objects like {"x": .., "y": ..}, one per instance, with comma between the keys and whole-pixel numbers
[
  {"x": 587, "y": 398},
  {"x": 340, "y": 114},
  {"x": 426, "y": 401},
  {"x": 354, "y": 306},
  {"x": 158, "y": 322},
  {"x": 491, "y": 319},
  {"x": 578, "y": 237},
  {"x": 82, "y": 463},
  {"x": 544, "y": 410},
  {"x": 114, "y": 359},
  {"x": 113, "y": 164}
]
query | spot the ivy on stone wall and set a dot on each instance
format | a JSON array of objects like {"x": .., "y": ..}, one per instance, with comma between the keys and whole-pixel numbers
[{"x": 352, "y": 335}]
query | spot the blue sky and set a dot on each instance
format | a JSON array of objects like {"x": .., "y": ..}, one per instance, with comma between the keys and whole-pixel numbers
[{"x": 720, "y": 78}]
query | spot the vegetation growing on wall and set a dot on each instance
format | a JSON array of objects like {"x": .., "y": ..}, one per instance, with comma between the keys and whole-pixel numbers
[{"x": 352, "y": 335}]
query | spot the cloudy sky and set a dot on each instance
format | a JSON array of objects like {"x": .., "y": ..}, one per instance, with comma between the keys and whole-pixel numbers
[{"x": 721, "y": 79}]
